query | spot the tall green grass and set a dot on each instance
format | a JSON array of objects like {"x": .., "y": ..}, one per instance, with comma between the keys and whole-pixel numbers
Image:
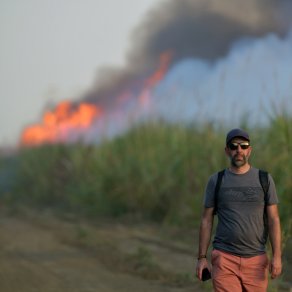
[{"x": 155, "y": 171}]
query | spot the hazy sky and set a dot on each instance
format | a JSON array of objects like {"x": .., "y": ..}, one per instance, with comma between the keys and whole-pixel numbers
[{"x": 51, "y": 50}]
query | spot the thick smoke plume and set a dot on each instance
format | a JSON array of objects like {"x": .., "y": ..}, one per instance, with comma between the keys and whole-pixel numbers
[
  {"x": 204, "y": 29},
  {"x": 191, "y": 61}
]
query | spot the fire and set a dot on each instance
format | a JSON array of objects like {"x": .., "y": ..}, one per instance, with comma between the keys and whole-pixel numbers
[
  {"x": 164, "y": 61},
  {"x": 158, "y": 75},
  {"x": 57, "y": 124}
]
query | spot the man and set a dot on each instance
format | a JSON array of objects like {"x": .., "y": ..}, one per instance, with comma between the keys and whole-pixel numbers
[{"x": 239, "y": 260}]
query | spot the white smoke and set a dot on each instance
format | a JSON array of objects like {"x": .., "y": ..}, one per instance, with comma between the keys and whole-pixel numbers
[{"x": 253, "y": 82}]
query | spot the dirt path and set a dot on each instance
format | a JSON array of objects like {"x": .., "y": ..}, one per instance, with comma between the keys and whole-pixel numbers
[{"x": 45, "y": 254}]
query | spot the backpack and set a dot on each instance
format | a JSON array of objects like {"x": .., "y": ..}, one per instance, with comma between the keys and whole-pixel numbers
[{"x": 263, "y": 177}]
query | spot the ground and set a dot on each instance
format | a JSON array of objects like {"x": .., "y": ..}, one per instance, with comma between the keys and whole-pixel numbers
[
  {"x": 41, "y": 252},
  {"x": 45, "y": 252}
]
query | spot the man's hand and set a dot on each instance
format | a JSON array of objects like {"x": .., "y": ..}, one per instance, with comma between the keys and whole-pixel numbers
[
  {"x": 204, "y": 240},
  {"x": 275, "y": 267},
  {"x": 275, "y": 239},
  {"x": 201, "y": 264}
]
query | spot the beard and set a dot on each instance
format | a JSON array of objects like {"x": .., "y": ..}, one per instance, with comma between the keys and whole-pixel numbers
[{"x": 238, "y": 160}]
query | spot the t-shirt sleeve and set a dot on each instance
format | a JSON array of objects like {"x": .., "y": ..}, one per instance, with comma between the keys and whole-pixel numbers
[
  {"x": 209, "y": 196},
  {"x": 272, "y": 197}
]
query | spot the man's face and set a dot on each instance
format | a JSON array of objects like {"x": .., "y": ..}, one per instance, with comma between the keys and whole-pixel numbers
[{"x": 238, "y": 151}]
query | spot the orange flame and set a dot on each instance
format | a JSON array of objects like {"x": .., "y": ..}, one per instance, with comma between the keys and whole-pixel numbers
[
  {"x": 150, "y": 82},
  {"x": 164, "y": 61},
  {"x": 56, "y": 124}
]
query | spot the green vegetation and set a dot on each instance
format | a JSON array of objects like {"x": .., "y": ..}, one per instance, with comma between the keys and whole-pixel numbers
[{"x": 155, "y": 172}]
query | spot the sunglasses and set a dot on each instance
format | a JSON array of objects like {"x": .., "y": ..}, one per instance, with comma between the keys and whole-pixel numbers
[{"x": 234, "y": 145}]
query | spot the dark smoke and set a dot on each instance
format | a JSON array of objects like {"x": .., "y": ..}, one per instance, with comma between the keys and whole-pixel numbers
[{"x": 204, "y": 29}]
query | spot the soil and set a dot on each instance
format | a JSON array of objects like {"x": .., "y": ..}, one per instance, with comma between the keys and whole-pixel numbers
[{"x": 40, "y": 252}]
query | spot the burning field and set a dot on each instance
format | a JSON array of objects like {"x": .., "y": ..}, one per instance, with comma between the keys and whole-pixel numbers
[
  {"x": 70, "y": 122},
  {"x": 191, "y": 61}
]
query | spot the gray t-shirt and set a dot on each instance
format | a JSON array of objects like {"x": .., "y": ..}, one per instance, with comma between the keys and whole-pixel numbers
[{"x": 240, "y": 208}]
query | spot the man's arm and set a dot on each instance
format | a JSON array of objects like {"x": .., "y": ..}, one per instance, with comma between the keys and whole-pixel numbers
[
  {"x": 275, "y": 239},
  {"x": 204, "y": 239}
]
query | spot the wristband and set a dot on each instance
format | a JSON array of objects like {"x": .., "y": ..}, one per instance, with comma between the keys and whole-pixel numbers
[{"x": 202, "y": 256}]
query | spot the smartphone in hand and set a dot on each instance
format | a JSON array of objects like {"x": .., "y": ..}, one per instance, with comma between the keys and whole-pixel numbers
[{"x": 206, "y": 275}]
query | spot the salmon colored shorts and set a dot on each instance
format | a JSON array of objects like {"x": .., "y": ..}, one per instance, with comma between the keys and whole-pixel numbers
[{"x": 233, "y": 273}]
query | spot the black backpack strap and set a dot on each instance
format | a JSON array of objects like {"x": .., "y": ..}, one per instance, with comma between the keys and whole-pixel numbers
[
  {"x": 264, "y": 180},
  {"x": 217, "y": 188}
]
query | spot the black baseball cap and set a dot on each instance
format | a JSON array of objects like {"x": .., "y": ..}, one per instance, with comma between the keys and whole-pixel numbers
[{"x": 236, "y": 133}]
